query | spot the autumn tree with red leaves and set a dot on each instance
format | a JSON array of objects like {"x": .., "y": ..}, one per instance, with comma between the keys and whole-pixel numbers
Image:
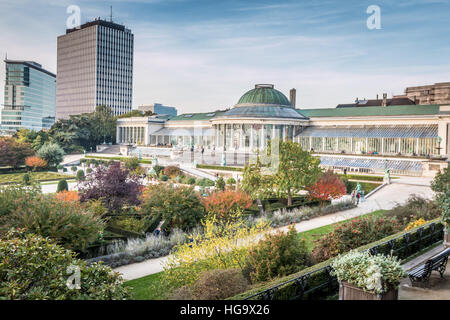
[{"x": 328, "y": 186}]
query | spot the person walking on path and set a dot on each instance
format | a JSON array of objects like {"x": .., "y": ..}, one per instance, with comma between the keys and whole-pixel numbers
[{"x": 358, "y": 195}]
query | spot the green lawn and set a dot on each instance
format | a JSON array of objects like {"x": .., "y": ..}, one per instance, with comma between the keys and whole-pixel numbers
[
  {"x": 8, "y": 178},
  {"x": 149, "y": 288}
]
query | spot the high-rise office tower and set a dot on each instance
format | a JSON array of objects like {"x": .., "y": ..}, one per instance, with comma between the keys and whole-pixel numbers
[
  {"x": 94, "y": 67},
  {"x": 29, "y": 97}
]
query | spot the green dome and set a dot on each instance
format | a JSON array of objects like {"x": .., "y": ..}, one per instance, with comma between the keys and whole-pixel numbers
[{"x": 264, "y": 94}]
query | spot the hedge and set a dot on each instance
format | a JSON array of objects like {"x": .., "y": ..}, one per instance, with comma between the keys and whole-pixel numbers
[
  {"x": 225, "y": 168},
  {"x": 117, "y": 158},
  {"x": 318, "y": 274}
]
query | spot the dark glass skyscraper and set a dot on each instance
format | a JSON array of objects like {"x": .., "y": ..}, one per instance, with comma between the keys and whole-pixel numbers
[
  {"x": 29, "y": 97},
  {"x": 95, "y": 67}
]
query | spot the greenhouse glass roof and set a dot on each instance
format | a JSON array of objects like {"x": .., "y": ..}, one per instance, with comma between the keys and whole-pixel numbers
[
  {"x": 373, "y": 132},
  {"x": 371, "y": 163}
]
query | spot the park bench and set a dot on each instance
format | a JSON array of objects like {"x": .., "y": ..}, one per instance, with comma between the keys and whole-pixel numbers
[{"x": 420, "y": 275}]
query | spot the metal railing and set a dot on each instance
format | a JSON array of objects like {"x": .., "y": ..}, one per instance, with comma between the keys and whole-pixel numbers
[{"x": 302, "y": 286}]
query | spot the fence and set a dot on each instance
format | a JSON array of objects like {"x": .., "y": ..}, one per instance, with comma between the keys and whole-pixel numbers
[{"x": 320, "y": 284}]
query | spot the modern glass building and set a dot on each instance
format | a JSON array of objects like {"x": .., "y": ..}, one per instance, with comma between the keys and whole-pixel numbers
[
  {"x": 95, "y": 67},
  {"x": 29, "y": 97}
]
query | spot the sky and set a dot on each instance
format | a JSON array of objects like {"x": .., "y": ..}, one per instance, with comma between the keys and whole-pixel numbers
[{"x": 202, "y": 55}]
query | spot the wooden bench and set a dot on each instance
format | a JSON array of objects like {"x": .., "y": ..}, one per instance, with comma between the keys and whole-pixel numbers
[{"x": 420, "y": 275}]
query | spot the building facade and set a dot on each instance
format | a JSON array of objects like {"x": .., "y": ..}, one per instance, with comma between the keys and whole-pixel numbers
[
  {"x": 404, "y": 138},
  {"x": 94, "y": 67},
  {"x": 438, "y": 93},
  {"x": 29, "y": 100},
  {"x": 158, "y": 108}
]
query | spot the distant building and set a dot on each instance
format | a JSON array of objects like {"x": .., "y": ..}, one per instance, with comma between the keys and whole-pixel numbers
[
  {"x": 384, "y": 102},
  {"x": 438, "y": 93},
  {"x": 95, "y": 67},
  {"x": 158, "y": 108},
  {"x": 29, "y": 97}
]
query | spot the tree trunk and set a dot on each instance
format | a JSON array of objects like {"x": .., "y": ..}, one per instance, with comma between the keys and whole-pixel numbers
[{"x": 289, "y": 199}]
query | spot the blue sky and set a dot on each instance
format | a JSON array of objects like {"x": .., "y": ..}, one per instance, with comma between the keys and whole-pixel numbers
[{"x": 203, "y": 55}]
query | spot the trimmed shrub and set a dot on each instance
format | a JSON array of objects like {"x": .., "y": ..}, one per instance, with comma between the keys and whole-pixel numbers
[
  {"x": 26, "y": 179},
  {"x": 89, "y": 170},
  {"x": 190, "y": 181},
  {"x": 220, "y": 184},
  {"x": 204, "y": 182},
  {"x": 73, "y": 168},
  {"x": 59, "y": 167},
  {"x": 34, "y": 268},
  {"x": 276, "y": 255},
  {"x": 214, "y": 285},
  {"x": 62, "y": 185},
  {"x": 164, "y": 177},
  {"x": 80, "y": 175}
]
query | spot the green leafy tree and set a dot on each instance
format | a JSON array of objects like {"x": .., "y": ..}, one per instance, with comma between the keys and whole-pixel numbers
[
  {"x": 52, "y": 153},
  {"x": 131, "y": 163},
  {"x": 254, "y": 183}
]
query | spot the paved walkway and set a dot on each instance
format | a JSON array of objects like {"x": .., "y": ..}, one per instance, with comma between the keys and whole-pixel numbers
[{"x": 386, "y": 198}]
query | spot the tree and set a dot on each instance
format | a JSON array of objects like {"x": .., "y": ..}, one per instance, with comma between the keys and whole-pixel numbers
[
  {"x": 441, "y": 181},
  {"x": 179, "y": 207},
  {"x": 113, "y": 186},
  {"x": 131, "y": 163},
  {"x": 13, "y": 153},
  {"x": 35, "y": 162},
  {"x": 52, "y": 153},
  {"x": 104, "y": 123},
  {"x": 328, "y": 186},
  {"x": 35, "y": 268},
  {"x": 254, "y": 183}
]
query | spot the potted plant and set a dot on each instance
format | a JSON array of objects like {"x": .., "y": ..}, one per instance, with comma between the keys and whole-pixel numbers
[
  {"x": 363, "y": 276},
  {"x": 60, "y": 168}
]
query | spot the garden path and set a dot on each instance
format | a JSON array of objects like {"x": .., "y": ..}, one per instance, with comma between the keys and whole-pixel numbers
[{"x": 386, "y": 198}]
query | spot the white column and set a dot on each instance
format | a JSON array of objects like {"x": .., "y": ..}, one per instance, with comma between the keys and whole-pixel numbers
[
  {"x": 251, "y": 137},
  {"x": 337, "y": 145},
  {"x": 263, "y": 137},
  {"x": 382, "y": 146}
]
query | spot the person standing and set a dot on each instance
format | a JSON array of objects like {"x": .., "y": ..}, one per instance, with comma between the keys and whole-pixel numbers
[{"x": 358, "y": 195}]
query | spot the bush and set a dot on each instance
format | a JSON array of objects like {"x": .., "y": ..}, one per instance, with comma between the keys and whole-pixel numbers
[
  {"x": 80, "y": 175},
  {"x": 277, "y": 255},
  {"x": 73, "y": 168},
  {"x": 231, "y": 181},
  {"x": 52, "y": 153},
  {"x": 12, "y": 196},
  {"x": 164, "y": 177},
  {"x": 68, "y": 196},
  {"x": 220, "y": 184},
  {"x": 62, "y": 185},
  {"x": 214, "y": 285},
  {"x": 172, "y": 171},
  {"x": 353, "y": 234},
  {"x": 441, "y": 180},
  {"x": 158, "y": 169},
  {"x": 132, "y": 224},
  {"x": 190, "y": 181},
  {"x": 26, "y": 179},
  {"x": 131, "y": 163},
  {"x": 377, "y": 274},
  {"x": 179, "y": 207},
  {"x": 414, "y": 209},
  {"x": 59, "y": 167},
  {"x": 204, "y": 182},
  {"x": 64, "y": 169},
  {"x": 35, "y": 162},
  {"x": 328, "y": 186},
  {"x": 34, "y": 268},
  {"x": 225, "y": 205},
  {"x": 65, "y": 222}
]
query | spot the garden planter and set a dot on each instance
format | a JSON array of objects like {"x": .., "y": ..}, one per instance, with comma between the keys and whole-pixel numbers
[{"x": 348, "y": 291}]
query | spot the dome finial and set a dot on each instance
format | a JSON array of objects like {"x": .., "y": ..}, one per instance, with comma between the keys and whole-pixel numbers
[{"x": 264, "y": 85}]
